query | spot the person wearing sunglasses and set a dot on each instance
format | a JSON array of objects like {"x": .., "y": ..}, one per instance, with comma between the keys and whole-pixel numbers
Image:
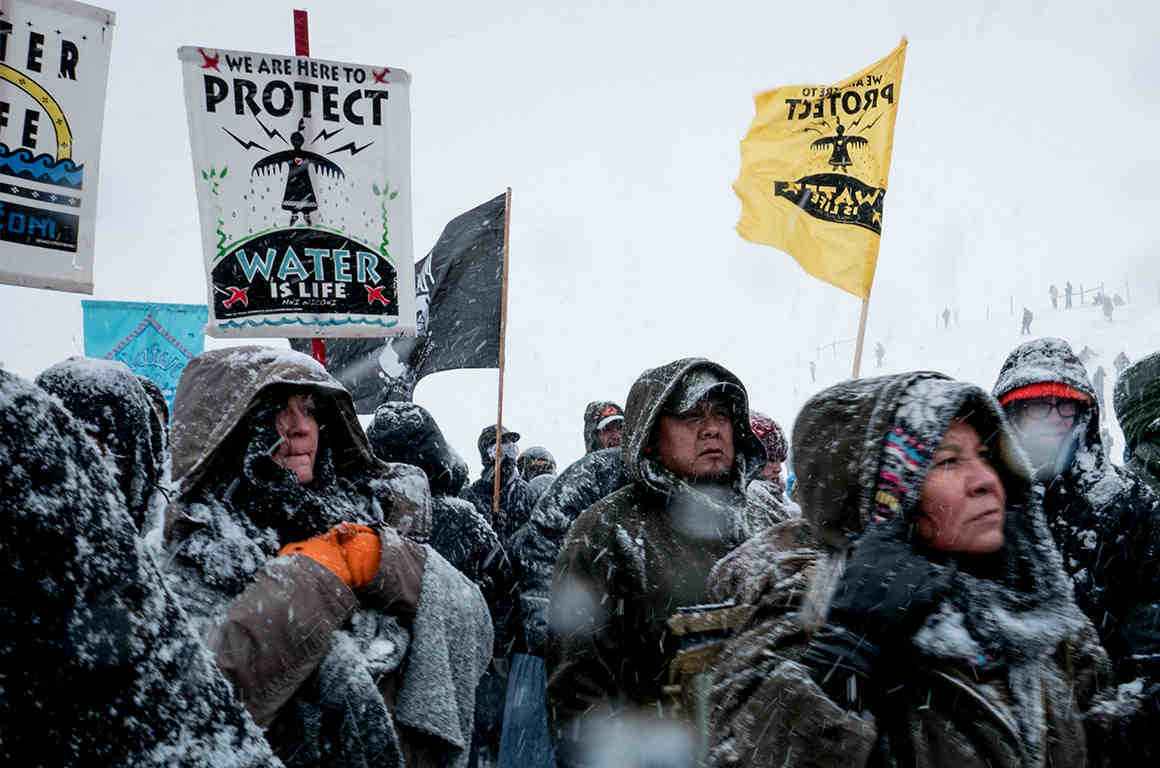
[{"x": 1105, "y": 522}]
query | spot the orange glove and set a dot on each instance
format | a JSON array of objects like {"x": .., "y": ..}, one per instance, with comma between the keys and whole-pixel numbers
[
  {"x": 362, "y": 548},
  {"x": 324, "y": 550},
  {"x": 348, "y": 550}
]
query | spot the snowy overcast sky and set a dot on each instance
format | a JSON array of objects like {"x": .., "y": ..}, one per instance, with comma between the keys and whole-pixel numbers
[{"x": 1025, "y": 154}]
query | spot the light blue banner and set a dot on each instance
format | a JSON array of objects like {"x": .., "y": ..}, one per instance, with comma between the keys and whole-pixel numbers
[{"x": 154, "y": 340}]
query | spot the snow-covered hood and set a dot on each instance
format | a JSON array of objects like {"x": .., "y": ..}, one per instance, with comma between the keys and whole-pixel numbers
[
  {"x": 1137, "y": 401},
  {"x": 84, "y": 605},
  {"x": 862, "y": 448},
  {"x": 407, "y": 433},
  {"x": 647, "y": 399},
  {"x": 1048, "y": 360},
  {"x": 116, "y": 411},
  {"x": 218, "y": 388},
  {"x": 1052, "y": 360}
]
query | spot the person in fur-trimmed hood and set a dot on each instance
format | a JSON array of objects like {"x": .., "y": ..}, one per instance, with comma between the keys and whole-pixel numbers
[
  {"x": 298, "y": 555},
  {"x": 919, "y": 613},
  {"x": 635, "y": 557},
  {"x": 1105, "y": 522}
]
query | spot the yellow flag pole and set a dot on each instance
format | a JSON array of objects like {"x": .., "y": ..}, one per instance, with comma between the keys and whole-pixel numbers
[{"x": 861, "y": 336}]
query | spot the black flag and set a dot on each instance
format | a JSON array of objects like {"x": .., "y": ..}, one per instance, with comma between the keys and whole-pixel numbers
[{"x": 457, "y": 298}]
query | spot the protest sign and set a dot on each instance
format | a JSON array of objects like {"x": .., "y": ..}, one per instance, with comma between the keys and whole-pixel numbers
[
  {"x": 154, "y": 340},
  {"x": 303, "y": 178},
  {"x": 54, "y": 66}
]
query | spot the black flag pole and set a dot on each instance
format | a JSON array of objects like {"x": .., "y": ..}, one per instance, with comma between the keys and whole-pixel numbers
[{"x": 503, "y": 297}]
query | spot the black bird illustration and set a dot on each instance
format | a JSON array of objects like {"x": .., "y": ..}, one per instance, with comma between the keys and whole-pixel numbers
[
  {"x": 299, "y": 198},
  {"x": 840, "y": 157}
]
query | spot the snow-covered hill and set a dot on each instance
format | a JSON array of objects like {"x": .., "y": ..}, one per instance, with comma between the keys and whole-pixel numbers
[{"x": 975, "y": 350}]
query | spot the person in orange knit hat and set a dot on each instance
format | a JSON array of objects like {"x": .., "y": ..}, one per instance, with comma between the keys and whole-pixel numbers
[
  {"x": 1104, "y": 521},
  {"x": 302, "y": 560}
]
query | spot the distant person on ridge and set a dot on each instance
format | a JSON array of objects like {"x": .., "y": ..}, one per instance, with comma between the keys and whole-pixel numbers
[{"x": 1121, "y": 362}]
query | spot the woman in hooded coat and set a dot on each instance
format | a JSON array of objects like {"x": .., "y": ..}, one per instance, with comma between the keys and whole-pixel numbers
[
  {"x": 298, "y": 555},
  {"x": 919, "y": 613}
]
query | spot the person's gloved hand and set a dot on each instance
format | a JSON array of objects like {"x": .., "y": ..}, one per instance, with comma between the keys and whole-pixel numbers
[
  {"x": 885, "y": 595},
  {"x": 324, "y": 550},
  {"x": 362, "y": 549},
  {"x": 349, "y": 551}
]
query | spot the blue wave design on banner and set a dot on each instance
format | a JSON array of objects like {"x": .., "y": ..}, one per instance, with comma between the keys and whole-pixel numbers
[
  {"x": 296, "y": 321},
  {"x": 43, "y": 168}
]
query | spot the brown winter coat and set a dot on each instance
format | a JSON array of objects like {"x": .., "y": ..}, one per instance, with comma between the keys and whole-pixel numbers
[
  {"x": 634, "y": 558},
  {"x": 276, "y": 633},
  {"x": 337, "y": 678},
  {"x": 974, "y": 695}
]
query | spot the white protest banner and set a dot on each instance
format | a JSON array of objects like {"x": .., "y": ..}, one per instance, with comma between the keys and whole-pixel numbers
[
  {"x": 54, "y": 66},
  {"x": 303, "y": 174}
]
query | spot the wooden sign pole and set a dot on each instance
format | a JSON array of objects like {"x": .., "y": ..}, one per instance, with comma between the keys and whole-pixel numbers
[
  {"x": 503, "y": 297},
  {"x": 302, "y": 48}
]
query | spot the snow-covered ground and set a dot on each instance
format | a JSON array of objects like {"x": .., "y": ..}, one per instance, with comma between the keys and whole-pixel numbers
[{"x": 975, "y": 349}]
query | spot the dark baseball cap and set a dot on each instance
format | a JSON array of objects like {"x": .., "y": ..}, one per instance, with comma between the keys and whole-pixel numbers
[{"x": 699, "y": 384}]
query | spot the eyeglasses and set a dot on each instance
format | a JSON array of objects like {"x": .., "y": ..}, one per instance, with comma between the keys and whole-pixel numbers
[{"x": 1041, "y": 409}]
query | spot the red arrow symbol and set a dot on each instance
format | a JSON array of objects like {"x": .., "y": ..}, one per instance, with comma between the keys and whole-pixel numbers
[
  {"x": 209, "y": 62},
  {"x": 376, "y": 294},
  {"x": 236, "y": 295}
]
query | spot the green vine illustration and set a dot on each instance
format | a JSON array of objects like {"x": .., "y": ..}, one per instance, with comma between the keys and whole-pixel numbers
[
  {"x": 212, "y": 177},
  {"x": 386, "y": 194}
]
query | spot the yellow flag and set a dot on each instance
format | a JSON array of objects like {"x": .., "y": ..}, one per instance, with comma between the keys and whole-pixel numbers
[{"x": 814, "y": 167}]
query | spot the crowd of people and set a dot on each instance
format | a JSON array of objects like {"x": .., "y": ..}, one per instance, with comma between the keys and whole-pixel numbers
[{"x": 929, "y": 573}]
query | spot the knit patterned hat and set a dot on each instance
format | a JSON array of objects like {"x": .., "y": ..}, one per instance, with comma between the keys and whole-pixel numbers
[{"x": 771, "y": 436}]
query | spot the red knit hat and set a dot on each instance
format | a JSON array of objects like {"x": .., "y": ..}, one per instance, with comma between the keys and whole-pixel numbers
[
  {"x": 770, "y": 434},
  {"x": 1044, "y": 390}
]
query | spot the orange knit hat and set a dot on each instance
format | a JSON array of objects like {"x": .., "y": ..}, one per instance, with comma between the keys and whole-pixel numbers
[{"x": 1044, "y": 390}]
